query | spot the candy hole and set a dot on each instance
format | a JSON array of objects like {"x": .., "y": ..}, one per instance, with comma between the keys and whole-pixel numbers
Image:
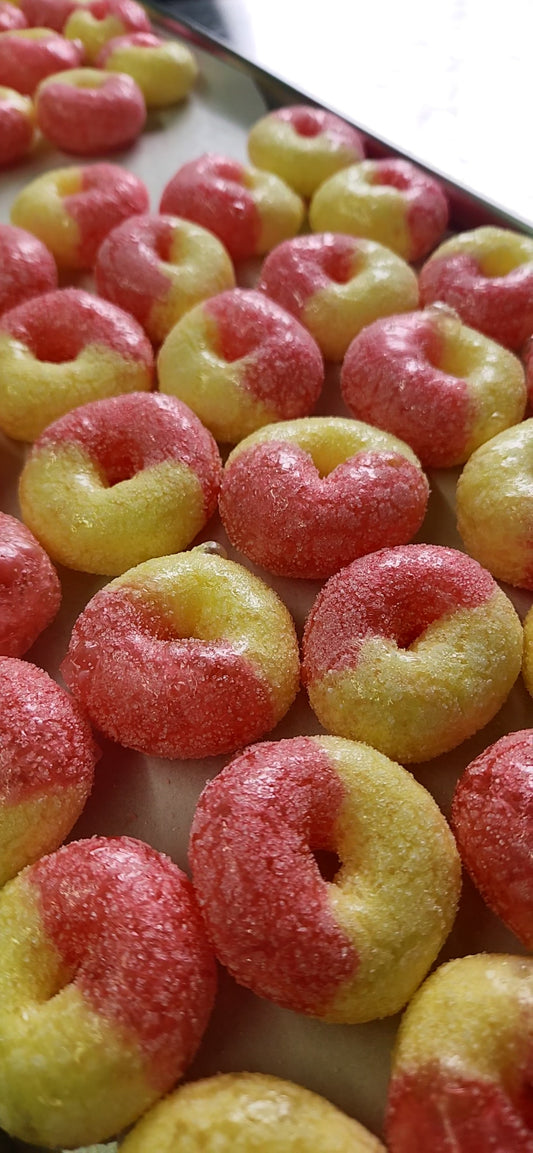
[
  {"x": 501, "y": 260},
  {"x": 390, "y": 176},
  {"x": 307, "y": 122},
  {"x": 338, "y": 264},
  {"x": 328, "y": 864}
]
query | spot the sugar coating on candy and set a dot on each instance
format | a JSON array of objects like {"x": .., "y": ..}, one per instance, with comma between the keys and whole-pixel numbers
[
  {"x": 328, "y": 489},
  {"x": 396, "y": 594},
  {"x": 258, "y": 883},
  {"x": 335, "y": 285},
  {"x": 304, "y": 145},
  {"x": 346, "y": 950},
  {"x": 158, "y": 267},
  {"x": 73, "y": 209},
  {"x": 126, "y": 925},
  {"x": 429, "y": 379},
  {"x": 462, "y": 1063},
  {"x": 493, "y": 822},
  {"x": 213, "y": 192},
  {"x": 45, "y": 738},
  {"x": 57, "y": 327},
  {"x": 16, "y": 126},
  {"x": 494, "y": 505},
  {"x": 28, "y": 55},
  {"x": 124, "y": 435},
  {"x": 120, "y": 480},
  {"x": 240, "y": 362},
  {"x": 487, "y": 276},
  {"x": 206, "y": 656},
  {"x": 11, "y": 17},
  {"x": 428, "y": 1110},
  {"x": 85, "y": 111},
  {"x": 248, "y": 209},
  {"x": 412, "y": 649},
  {"x": 30, "y": 592},
  {"x": 391, "y": 201},
  {"x": 27, "y": 268},
  {"x": 248, "y": 1111}
]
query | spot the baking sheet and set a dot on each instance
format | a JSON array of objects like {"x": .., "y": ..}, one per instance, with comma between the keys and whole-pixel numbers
[{"x": 154, "y": 799}]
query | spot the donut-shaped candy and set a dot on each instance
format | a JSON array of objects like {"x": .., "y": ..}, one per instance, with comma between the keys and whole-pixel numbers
[
  {"x": 47, "y": 765},
  {"x": 347, "y": 950},
  {"x": 64, "y": 349},
  {"x": 461, "y": 1075},
  {"x": 492, "y": 816},
  {"x": 240, "y": 362},
  {"x": 11, "y": 17},
  {"x": 240, "y": 1112},
  {"x": 328, "y": 490},
  {"x": 411, "y": 649},
  {"x": 106, "y": 987},
  {"x": 434, "y": 382},
  {"x": 27, "y": 268},
  {"x": 102, "y": 20},
  {"x": 494, "y": 505},
  {"x": 335, "y": 285},
  {"x": 391, "y": 201},
  {"x": 73, "y": 209},
  {"x": 165, "y": 70},
  {"x": 86, "y": 111},
  {"x": 17, "y": 126},
  {"x": 304, "y": 145},
  {"x": 28, "y": 55},
  {"x": 205, "y": 654},
  {"x": 487, "y": 276},
  {"x": 30, "y": 592},
  {"x": 248, "y": 209},
  {"x": 121, "y": 480},
  {"x": 158, "y": 267}
]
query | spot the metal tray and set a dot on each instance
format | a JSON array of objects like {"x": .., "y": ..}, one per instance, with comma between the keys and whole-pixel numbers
[{"x": 154, "y": 799}]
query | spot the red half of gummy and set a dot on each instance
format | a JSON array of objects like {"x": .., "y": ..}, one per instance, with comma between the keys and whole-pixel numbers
[
  {"x": 124, "y": 921},
  {"x": 435, "y": 1109},
  {"x": 283, "y": 366},
  {"x": 312, "y": 525},
  {"x": 212, "y": 192},
  {"x": 493, "y": 823},
  {"x": 30, "y": 591},
  {"x": 58, "y": 326},
  {"x": 125, "y": 434},
  {"x": 501, "y": 307},
  {"x": 391, "y": 377},
  {"x": 162, "y": 694},
  {"x": 130, "y": 266},
  {"x": 395, "y": 593},
  {"x": 46, "y": 743},
  {"x": 27, "y": 268},
  {"x": 297, "y": 269},
  {"x": 108, "y": 195},
  {"x": 253, "y": 838}
]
